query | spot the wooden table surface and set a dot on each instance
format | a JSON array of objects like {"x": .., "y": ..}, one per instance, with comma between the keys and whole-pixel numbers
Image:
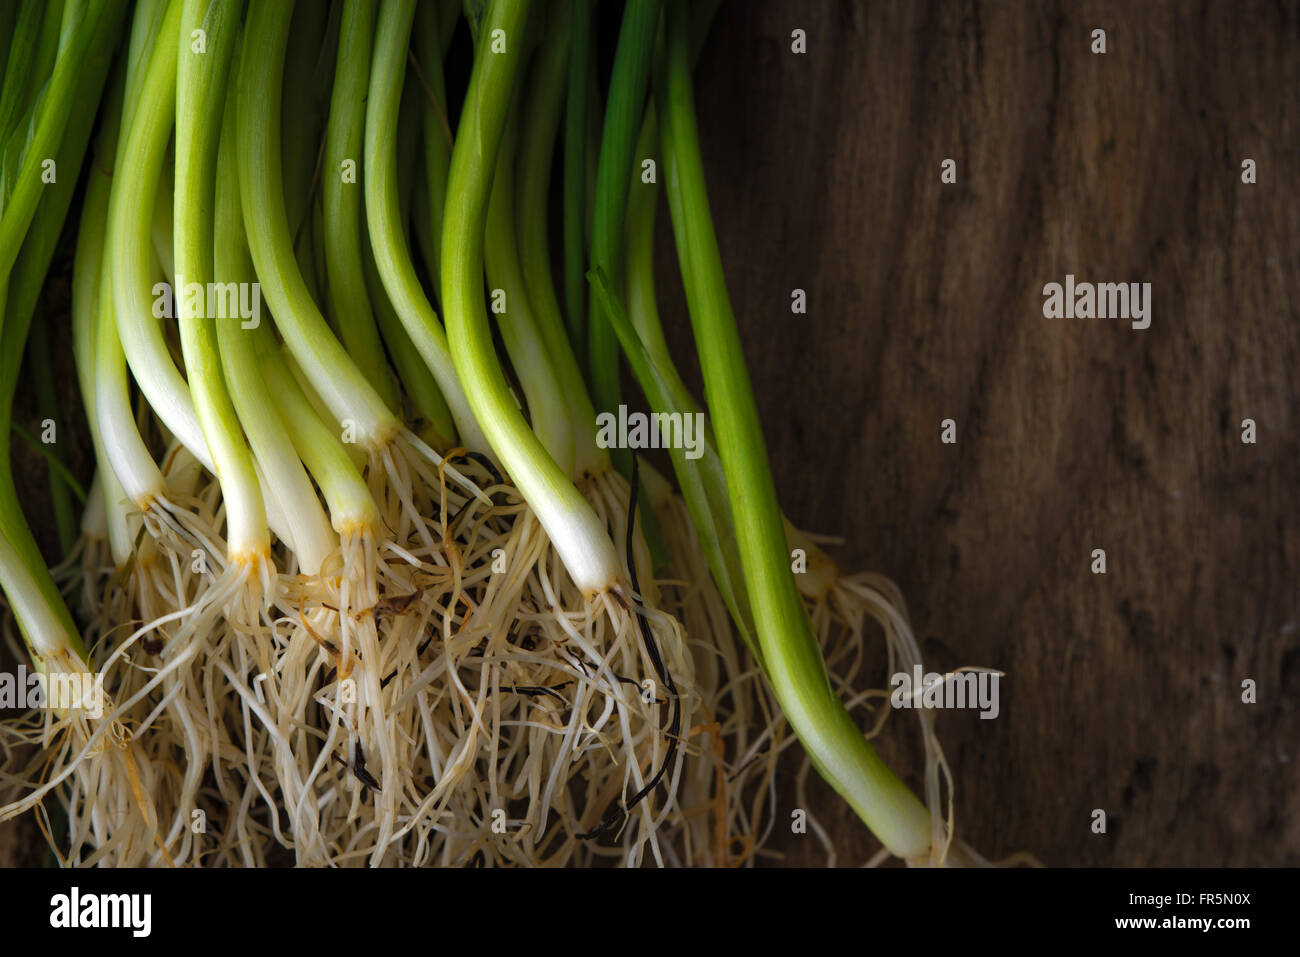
[{"x": 1123, "y": 691}]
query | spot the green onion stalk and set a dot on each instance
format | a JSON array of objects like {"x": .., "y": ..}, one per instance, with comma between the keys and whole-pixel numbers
[
  {"x": 340, "y": 384},
  {"x": 533, "y": 332},
  {"x": 478, "y": 232},
  {"x": 359, "y": 576},
  {"x": 79, "y": 712},
  {"x": 407, "y": 488},
  {"x": 172, "y": 583},
  {"x": 610, "y": 495},
  {"x": 432, "y": 32},
  {"x": 430, "y": 39},
  {"x": 349, "y": 297},
  {"x": 277, "y": 422},
  {"x": 573, "y": 527},
  {"x": 109, "y": 518},
  {"x": 337, "y": 613},
  {"x": 355, "y": 407},
  {"x": 353, "y": 403},
  {"x": 523, "y": 249},
  {"x": 200, "y": 105},
  {"x": 623, "y": 111},
  {"x": 127, "y": 332},
  {"x": 31, "y": 229},
  {"x": 792, "y": 660},
  {"x": 837, "y": 604},
  {"x": 696, "y": 535},
  {"x": 387, "y": 239},
  {"x": 576, "y": 132},
  {"x": 566, "y": 435}
]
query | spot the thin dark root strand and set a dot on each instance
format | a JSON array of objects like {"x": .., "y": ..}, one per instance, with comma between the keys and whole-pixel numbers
[{"x": 619, "y": 811}]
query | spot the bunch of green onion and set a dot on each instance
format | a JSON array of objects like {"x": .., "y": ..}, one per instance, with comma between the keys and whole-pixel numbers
[{"x": 355, "y": 580}]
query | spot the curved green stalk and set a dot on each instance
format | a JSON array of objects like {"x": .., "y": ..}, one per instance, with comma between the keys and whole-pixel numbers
[
  {"x": 38, "y": 245},
  {"x": 309, "y": 339},
  {"x": 88, "y": 293},
  {"x": 47, "y": 627},
  {"x": 200, "y": 102},
  {"x": 34, "y": 599},
  {"x": 43, "y": 618},
  {"x": 435, "y": 131},
  {"x": 418, "y": 381},
  {"x": 643, "y": 310},
  {"x": 348, "y": 295},
  {"x": 548, "y": 81},
  {"x": 146, "y": 22},
  {"x": 548, "y": 406},
  {"x": 163, "y": 224},
  {"x": 547, "y": 87},
  {"x": 623, "y": 111},
  {"x": 126, "y": 452},
  {"x": 574, "y": 528},
  {"x": 261, "y": 416},
  {"x": 350, "y": 504},
  {"x": 25, "y": 163},
  {"x": 640, "y": 333},
  {"x": 701, "y": 479},
  {"x": 21, "y": 41},
  {"x": 575, "y": 174},
  {"x": 130, "y": 216},
  {"x": 55, "y": 25},
  {"x": 129, "y": 458},
  {"x": 307, "y": 54},
  {"x": 383, "y": 215},
  {"x": 795, "y": 667}
]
